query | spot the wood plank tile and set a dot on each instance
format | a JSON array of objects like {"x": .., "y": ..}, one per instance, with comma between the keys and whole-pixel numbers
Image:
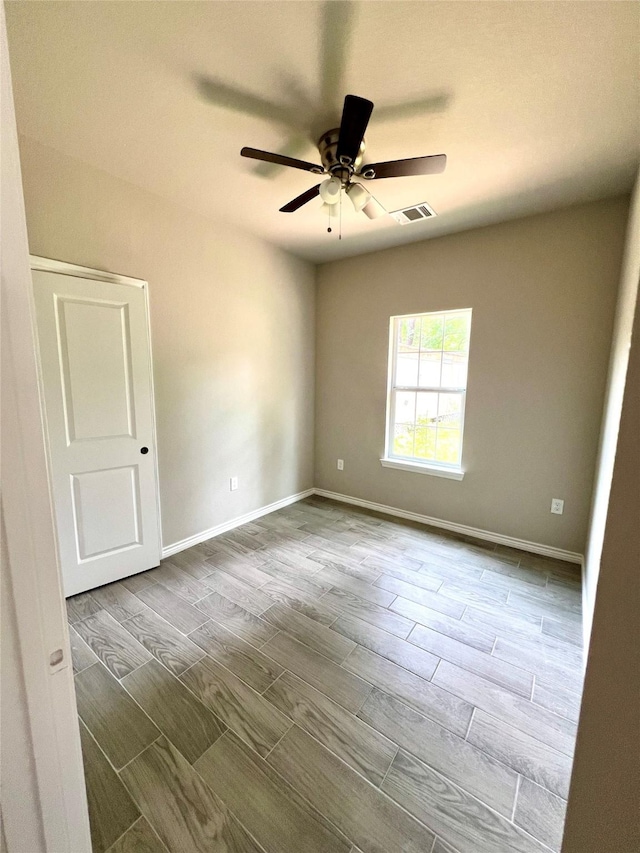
[
  {"x": 558, "y": 699},
  {"x": 345, "y": 602},
  {"x": 561, "y": 630},
  {"x": 358, "y": 809},
  {"x": 329, "y": 546},
  {"x": 540, "y": 813},
  {"x": 345, "y": 566},
  {"x": 361, "y": 588},
  {"x": 279, "y": 819},
  {"x": 294, "y": 557},
  {"x": 80, "y": 606},
  {"x": 323, "y": 640},
  {"x": 140, "y": 838},
  {"x": 244, "y": 711},
  {"x": 117, "y": 601},
  {"x": 306, "y": 583},
  {"x": 241, "y": 537},
  {"x": 175, "y": 711},
  {"x": 358, "y": 745},
  {"x": 454, "y": 628},
  {"x": 389, "y": 566},
  {"x": 241, "y": 593},
  {"x": 178, "y": 581},
  {"x": 137, "y": 582},
  {"x": 235, "y": 618},
  {"x": 243, "y": 659},
  {"x": 81, "y": 654},
  {"x": 112, "y": 644},
  {"x": 451, "y": 812},
  {"x": 305, "y": 603},
  {"x": 523, "y": 753},
  {"x": 442, "y": 847},
  {"x": 344, "y": 688},
  {"x": 540, "y": 647},
  {"x": 472, "y": 592},
  {"x": 449, "y": 568},
  {"x": 399, "y": 651},
  {"x": 416, "y": 580},
  {"x": 541, "y": 724},
  {"x": 564, "y": 668},
  {"x": 459, "y": 761},
  {"x": 549, "y": 564},
  {"x": 111, "y": 809},
  {"x": 504, "y": 674},
  {"x": 193, "y": 561},
  {"x": 423, "y": 696},
  {"x": 527, "y": 603},
  {"x": 338, "y": 533},
  {"x": 181, "y": 807},
  {"x": 427, "y": 597},
  {"x": 163, "y": 641},
  {"x": 246, "y": 570},
  {"x": 119, "y": 726},
  {"x": 503, "y": 573},
  {"x": 510, "y": 625},
  {"x": 171, "y": 607}
]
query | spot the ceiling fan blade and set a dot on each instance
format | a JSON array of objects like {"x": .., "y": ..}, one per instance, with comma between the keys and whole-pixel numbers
[
  {"x": 420, "y": 106},
  {"x": 355, "y": 118},
  {"x": 431, "y": 165},
  {"x": 337, "y": 25},
  {"x": 281, "y": 160},
  {"x": 297, "y": 202},
  {"x": 293, "y": 146},
  {"x": 231, "y": 98}
]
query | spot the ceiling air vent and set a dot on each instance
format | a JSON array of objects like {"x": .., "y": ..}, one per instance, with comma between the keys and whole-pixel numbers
[{"x": 413, "y": 214}]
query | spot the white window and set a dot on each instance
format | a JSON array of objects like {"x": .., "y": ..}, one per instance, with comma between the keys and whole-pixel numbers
[{"x": 428, "y": 359}]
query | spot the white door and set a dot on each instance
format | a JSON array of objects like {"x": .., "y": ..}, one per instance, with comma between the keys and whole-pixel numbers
[{"x": 95, "y": 362}]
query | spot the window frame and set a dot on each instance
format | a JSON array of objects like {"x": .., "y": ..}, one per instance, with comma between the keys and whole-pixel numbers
[{"x": 413, "y": 463}]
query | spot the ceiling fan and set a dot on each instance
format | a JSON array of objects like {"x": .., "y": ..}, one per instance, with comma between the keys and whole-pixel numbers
[{"x": 341, "y": 153}]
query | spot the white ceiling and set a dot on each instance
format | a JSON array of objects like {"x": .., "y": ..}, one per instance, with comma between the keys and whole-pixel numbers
[{"x": 536, "y": 104}]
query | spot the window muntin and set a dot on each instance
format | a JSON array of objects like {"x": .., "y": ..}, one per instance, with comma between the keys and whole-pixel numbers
[{"x": 427, "y": 387}]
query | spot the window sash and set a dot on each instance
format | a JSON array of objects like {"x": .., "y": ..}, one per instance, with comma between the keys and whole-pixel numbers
[{"x": 394, "y": 389}]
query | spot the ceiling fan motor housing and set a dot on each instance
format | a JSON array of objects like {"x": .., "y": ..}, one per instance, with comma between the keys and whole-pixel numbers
[{"x": 328, "y": 146}]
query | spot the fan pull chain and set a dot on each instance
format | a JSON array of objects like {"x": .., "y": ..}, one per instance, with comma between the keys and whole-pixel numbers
[{"x": 340, "y": 218}]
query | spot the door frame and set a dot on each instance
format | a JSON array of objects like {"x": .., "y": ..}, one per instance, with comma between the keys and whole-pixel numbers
[
  {"x": 41, "y": 264},
  {"x": 44, "y": 802}
]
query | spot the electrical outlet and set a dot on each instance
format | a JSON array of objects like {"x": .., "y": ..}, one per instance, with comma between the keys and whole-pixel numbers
[
  {"x": 233, "y": 484},
  {"x": 557, "y": 506},
  {"x": 340, "y": 464}
]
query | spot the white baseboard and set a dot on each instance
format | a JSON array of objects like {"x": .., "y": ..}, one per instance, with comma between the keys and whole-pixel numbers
[
  {"x": 465, "y": 530},
  {"x": 197, "y": 538}
]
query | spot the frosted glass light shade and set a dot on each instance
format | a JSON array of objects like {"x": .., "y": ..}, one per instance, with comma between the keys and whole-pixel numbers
[
  {"x": 373, "y": 209},
  {"x": 329, "y": 210},
  {"x": 358, "y": 195},
  {"x": 330, "y": 191}
]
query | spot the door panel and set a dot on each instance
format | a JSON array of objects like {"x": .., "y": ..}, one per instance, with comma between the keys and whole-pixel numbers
[
  {"x": 86, "y": 331},
  {"x": 112, "y": 494},
  {"x": 96, "y": 374}
]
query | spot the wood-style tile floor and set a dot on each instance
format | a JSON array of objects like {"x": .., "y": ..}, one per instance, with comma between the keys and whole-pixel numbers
[{"x": 324, "y": 680}]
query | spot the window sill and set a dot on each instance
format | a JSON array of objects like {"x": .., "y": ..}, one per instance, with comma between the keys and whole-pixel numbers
[{"x": 419, "y": 468}]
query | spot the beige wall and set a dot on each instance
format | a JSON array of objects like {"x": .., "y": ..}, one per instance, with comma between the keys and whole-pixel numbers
[
  {"x": 543, "y": 292},
  {"x": 232, "y": 335},
  {"x": 603, "y": 812},
  {"x": 618, "y": 361}
]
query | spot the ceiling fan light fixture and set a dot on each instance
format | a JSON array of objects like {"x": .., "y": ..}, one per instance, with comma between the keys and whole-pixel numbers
[
  {"x": 373, "y": 209},
  {"x": 330, "y": 191},
  {"x": 358, "y": 195},
  {"x": 331, "y": 210}
]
